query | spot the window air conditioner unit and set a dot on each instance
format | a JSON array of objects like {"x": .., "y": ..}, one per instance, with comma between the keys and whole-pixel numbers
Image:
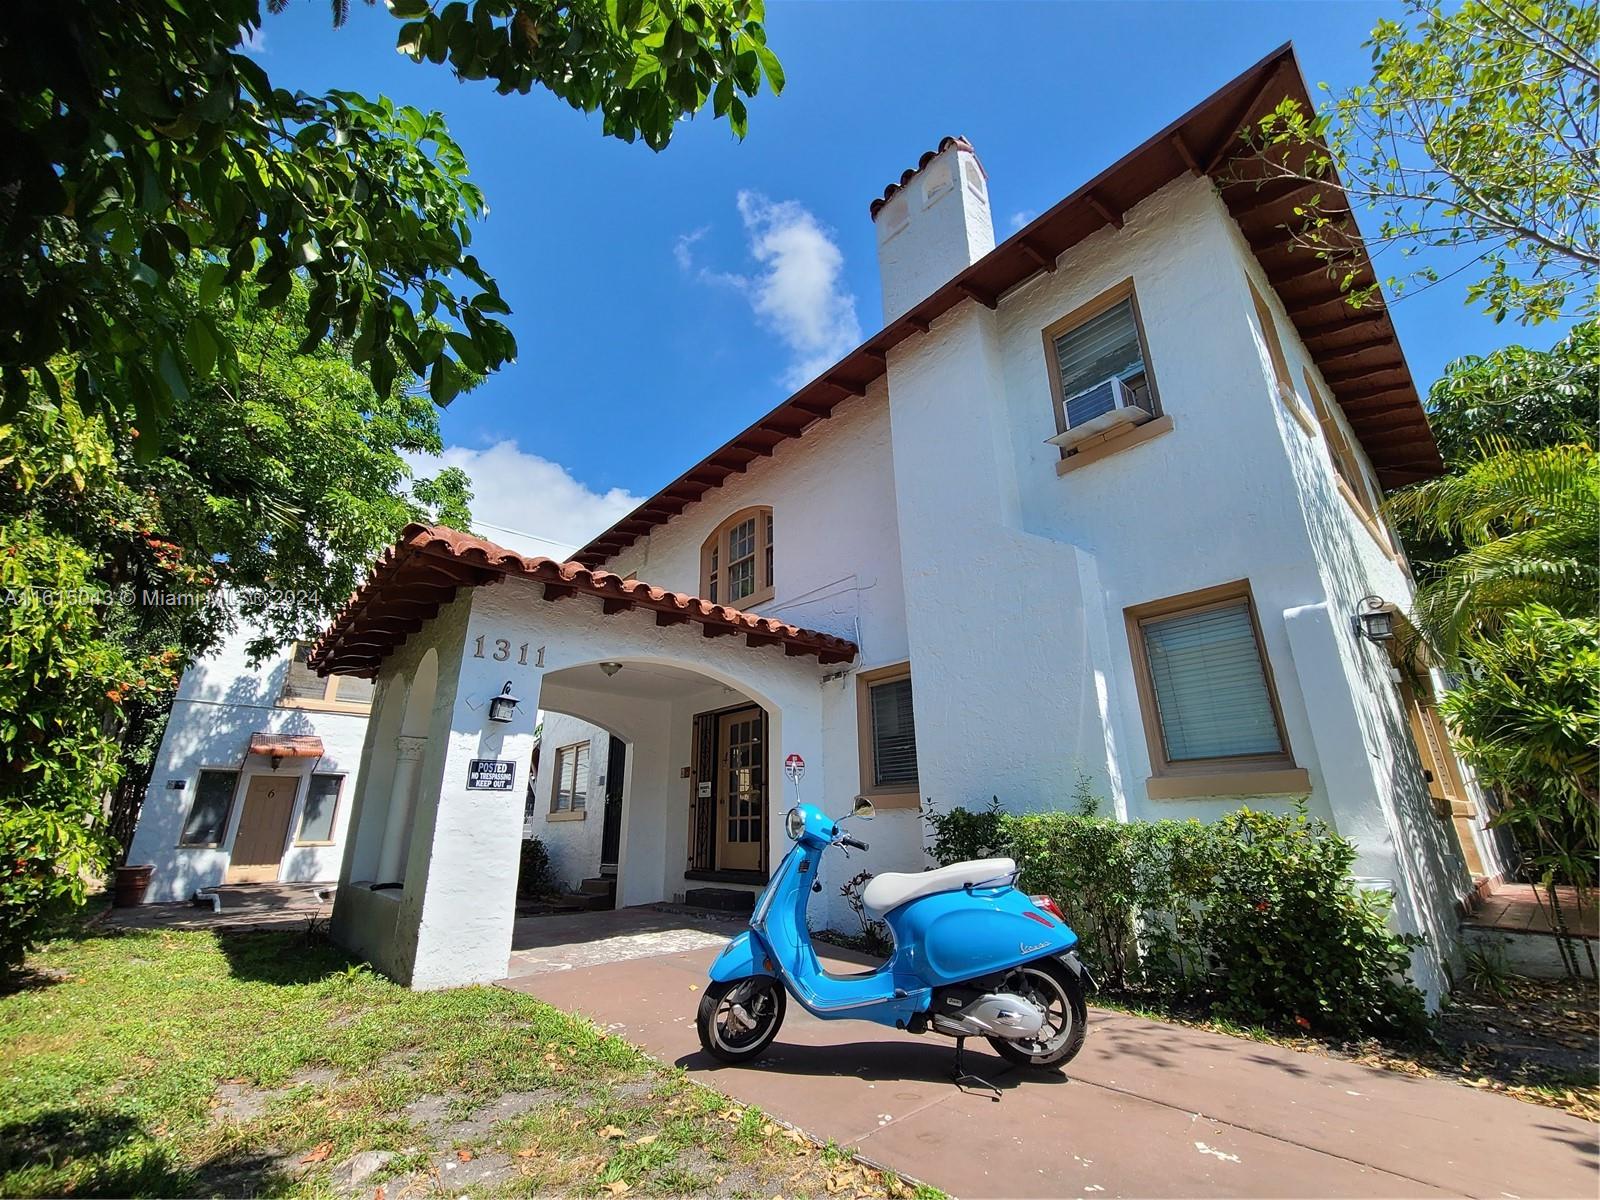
[{"x": 1095, "y": 410}]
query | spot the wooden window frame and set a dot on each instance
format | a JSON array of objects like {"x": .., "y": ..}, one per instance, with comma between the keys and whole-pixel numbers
[
  {"x": 329, "y": 700},
  {"x": 890, "y": 796},
  {"x": 1282, "y": 375},
  {"x": 1128, "y": 435},
  {"x": 718, "y": 540},
  {"x": 227, "y": 816},
  {"x": 571, "y": 813},
  {"x": 338, "y": 802},
  {"x": 1348, "y": 476},
  {"x": 1239, "y": 774}
]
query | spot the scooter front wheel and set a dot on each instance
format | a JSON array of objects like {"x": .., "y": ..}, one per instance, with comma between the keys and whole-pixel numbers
[{"x": 737, "y": 1020}]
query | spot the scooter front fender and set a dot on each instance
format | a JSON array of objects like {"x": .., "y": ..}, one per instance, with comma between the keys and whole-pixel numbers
[{"x": 743, "y": 956}]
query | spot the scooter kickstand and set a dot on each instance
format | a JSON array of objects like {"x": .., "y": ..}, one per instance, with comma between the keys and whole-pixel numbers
[{"x": 964, "y": 1078}]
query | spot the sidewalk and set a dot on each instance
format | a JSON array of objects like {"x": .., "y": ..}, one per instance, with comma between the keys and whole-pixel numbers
[{"x": 1147, "y": 1109}]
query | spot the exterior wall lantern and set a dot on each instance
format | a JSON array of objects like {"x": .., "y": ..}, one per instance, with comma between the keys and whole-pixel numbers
[
  {"x": 503, "y": 708},
  {"x": 1374, "y": 619}
]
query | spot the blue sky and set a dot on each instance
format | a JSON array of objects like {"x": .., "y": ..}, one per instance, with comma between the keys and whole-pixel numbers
[{"x": 664, "y": 301}]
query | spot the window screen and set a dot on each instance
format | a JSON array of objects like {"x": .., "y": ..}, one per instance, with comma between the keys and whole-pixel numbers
[
  {"x": 302, "y": 683},
  {"x": 1106, "y": 346},
  {"x": 353, "y": 690},
  {"x": 894, "y": 734},
  {"x": 208, "y": 815},
  {"x": 322, "y": 803},
  {"x": 1211, "y": 689}
]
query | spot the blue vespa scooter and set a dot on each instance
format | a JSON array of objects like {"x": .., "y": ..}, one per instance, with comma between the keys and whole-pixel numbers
[{"x": 973, "y": 957}]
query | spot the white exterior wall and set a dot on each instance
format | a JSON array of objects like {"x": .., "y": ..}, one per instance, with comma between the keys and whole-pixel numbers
[
  {"x": 573, "y": 845},
  {"x": 837, "y": 568},
  {"x": 221, "y": 701}
]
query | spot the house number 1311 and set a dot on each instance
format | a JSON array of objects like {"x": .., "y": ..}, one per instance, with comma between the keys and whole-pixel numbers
[{"x": 501, "y": 651}]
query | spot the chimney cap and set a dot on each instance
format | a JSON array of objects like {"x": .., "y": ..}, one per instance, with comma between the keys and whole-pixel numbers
[{"x": 956, "y": 142}]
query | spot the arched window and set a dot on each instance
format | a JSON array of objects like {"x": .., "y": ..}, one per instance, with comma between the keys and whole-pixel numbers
[{"x": 736, "y": 560}]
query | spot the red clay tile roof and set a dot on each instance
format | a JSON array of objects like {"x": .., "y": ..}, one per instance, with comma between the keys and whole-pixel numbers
[
  {"x": 1358, "y": 352},
  {"x": 286, "y": 745},
  {"x": 422, "y": 571},
  {"x": 907, "y": 176}
]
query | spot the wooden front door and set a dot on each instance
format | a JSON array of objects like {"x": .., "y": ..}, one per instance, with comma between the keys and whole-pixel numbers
[
  {"x": 1446, "y": 787},
  {"x": 263, "y": 829},
  {"x": 741, "y": 790}
]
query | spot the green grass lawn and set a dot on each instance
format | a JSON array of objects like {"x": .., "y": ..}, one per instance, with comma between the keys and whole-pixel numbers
[{"x": 194, "y": 1063}]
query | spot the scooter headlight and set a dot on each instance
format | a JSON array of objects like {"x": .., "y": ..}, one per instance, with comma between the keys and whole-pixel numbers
[{"x": 794, "y": 824}]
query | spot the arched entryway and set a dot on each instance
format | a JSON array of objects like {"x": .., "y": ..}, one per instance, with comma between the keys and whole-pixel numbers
[{"x": 665, "y": 672}]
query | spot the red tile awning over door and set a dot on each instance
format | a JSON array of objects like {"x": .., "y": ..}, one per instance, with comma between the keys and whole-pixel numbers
[{"x": 283, "y": 745}]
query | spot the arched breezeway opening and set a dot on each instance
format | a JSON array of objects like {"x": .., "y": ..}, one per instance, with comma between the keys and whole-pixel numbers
[{"x": 654, "y": 781}]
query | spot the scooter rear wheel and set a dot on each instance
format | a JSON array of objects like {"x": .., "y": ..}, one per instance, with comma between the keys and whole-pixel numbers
[
  {"x": 1056, "y": 988},
  {"x": 738, "y": 1020}
]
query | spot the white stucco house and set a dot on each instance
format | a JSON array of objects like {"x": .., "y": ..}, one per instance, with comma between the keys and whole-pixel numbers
[
  {"x": 254, "y": 777},
  {"x": 1100, "y": 498}
]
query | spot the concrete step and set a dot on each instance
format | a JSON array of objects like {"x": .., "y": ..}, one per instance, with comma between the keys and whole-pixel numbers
[
  {"x": 601, "y": 886},
  {"x": 728, "y": 900},
  {"x": 584, "y": 902}
]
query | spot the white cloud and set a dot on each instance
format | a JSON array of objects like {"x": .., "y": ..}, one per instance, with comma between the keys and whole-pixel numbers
[
  {"x": 527, "y": 503},
  {"x": 797, "y": 291},
  {"x": 254, "y": 40},
  {"x": 1021, "y": 217}
]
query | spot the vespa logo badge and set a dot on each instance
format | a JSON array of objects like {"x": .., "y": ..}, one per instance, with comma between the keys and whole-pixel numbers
[{"x": 1027, "y": 949}]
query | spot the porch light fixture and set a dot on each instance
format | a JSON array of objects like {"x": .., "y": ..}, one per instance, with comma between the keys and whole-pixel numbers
[
  {"x": 503, "y": 707},
  {"x": 1374, "y": 620},
  {"x": 610, "y": 668}
]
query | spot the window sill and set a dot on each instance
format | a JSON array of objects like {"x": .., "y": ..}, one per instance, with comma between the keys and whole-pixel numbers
[
  {"x": 357, "y": 710},
  {"x": 1298, "y": 410},
  {"x": 894, "y": 800},
  {"x": 1113, "y": 443},
  {"x": 312, "y": 845},
  {"x": 1291, "y": 781},
  {"x": 579, "y": 815},
  {"x": 1368, "y": 522},
  {"x": 750, "y": 601}
]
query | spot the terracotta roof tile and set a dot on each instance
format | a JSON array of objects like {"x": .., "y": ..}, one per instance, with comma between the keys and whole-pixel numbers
[
  {"x": 906, "y": 176},
  {"x": 422, "y": 571}
]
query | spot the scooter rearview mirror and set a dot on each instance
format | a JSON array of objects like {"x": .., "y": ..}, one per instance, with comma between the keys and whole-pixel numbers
[{"x": 863, "y": 809}]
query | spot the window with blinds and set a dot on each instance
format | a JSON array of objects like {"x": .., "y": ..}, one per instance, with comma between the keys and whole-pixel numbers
[
  {"x": 1213, "y": 700},
  {"x": 894, "y": 734},
  {"x": 1107, "y": 346},
  {"x": 572, "y": 779}
]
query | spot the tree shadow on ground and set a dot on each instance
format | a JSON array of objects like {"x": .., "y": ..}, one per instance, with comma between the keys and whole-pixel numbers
[
  {"x": 282, "y": 957},
  {"x": 101, "y": 1152}
]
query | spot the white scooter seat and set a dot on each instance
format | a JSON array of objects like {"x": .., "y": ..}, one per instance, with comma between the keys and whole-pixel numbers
[{"x": 890, "y": 890}]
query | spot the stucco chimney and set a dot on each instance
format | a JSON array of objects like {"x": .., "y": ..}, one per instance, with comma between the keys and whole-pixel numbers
[{"x": 932, "y": 224}]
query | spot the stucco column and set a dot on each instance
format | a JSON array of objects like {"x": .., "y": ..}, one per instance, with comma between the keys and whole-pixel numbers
[{"x": 408, "y": 760}]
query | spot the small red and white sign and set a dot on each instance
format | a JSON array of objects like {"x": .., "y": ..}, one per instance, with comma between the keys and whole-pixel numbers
[{"x": 794, "y": 767}]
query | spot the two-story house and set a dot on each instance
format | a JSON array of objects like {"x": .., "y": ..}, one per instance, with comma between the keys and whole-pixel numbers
[{"x": 1102, "y": 498}]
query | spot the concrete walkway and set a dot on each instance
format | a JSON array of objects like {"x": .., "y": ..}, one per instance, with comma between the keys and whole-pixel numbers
[{"x": 1147, "y": 1109}]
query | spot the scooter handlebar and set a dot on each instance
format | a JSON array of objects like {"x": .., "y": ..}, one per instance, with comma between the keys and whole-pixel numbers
[{"x": 853, "y": 843}]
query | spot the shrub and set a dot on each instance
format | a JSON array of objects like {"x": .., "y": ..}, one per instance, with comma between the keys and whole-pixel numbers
[
  {"x": 1254, "y": 916},
  {"x": 1527, "y": 717},
  {"x": 1290, "y": 937},
  {"x": 533, "y": 876},
  {"x": 961, "y": 835},
  {"x": 60, "y": 681}
]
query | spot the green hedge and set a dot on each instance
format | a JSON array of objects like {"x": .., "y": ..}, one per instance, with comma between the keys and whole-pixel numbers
[{"x": 1254, "y": 916}]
